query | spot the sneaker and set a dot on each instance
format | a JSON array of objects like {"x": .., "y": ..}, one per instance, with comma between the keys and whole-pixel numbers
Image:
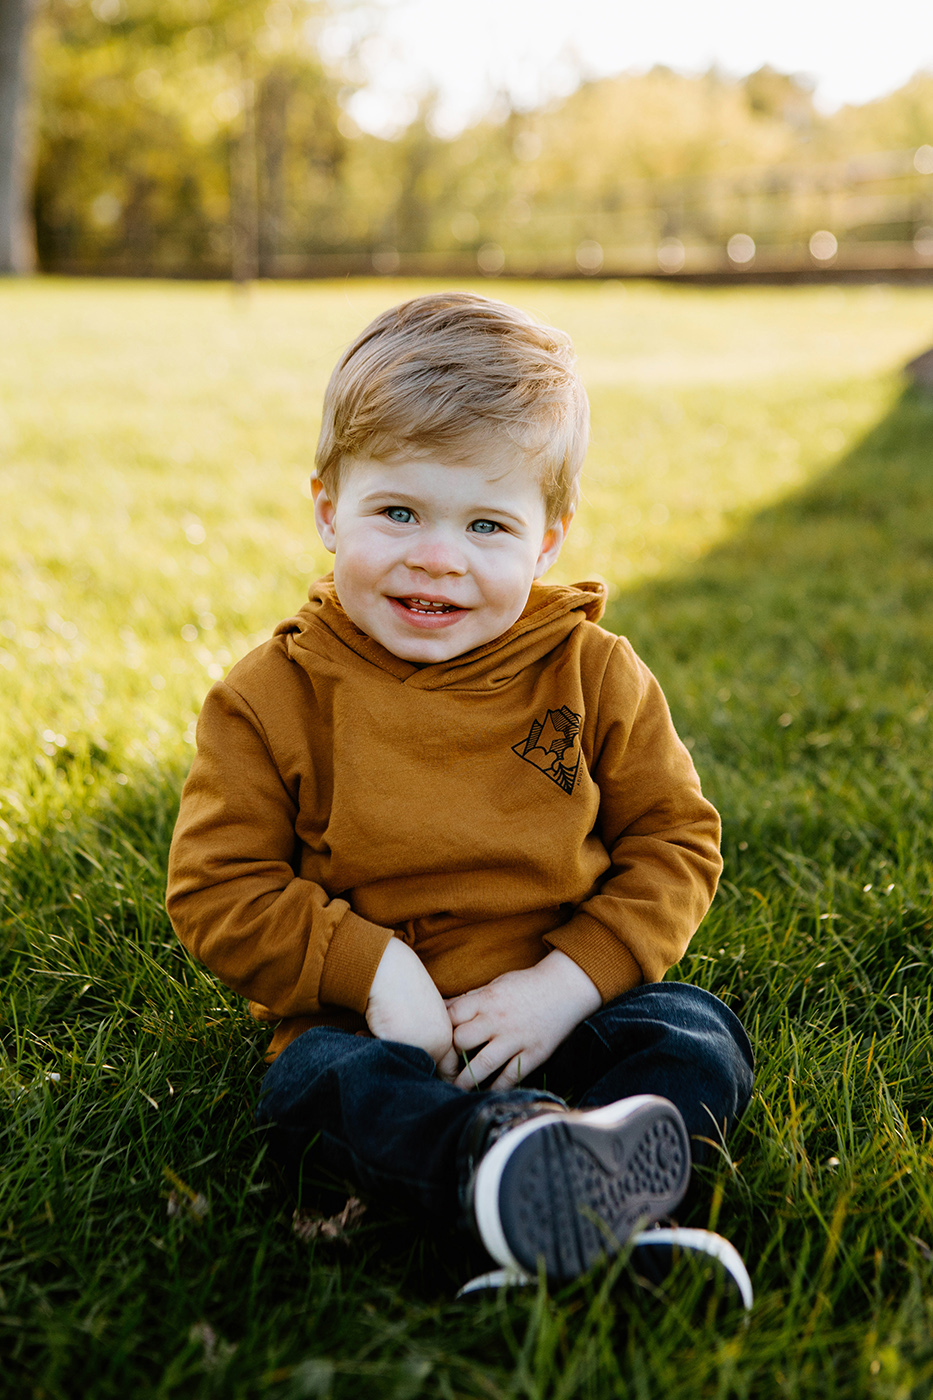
[
  {"x": 572, "y": 1186},
  {"x": 654, "y": 1252}
]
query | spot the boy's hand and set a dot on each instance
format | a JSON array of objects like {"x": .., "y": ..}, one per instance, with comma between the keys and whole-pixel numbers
[
  {"x": 520, "y": 1019},
  {"x": 405, "y": 1005}
]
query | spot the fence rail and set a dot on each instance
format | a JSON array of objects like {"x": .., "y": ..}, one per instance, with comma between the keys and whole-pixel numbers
[{"x": 864, "y": 218}]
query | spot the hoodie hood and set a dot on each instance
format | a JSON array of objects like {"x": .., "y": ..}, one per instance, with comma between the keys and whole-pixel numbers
[{"x": 551, "y": 613}]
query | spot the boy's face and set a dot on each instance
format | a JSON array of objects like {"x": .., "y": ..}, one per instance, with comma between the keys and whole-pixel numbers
[{"x": 435, "y": 558}]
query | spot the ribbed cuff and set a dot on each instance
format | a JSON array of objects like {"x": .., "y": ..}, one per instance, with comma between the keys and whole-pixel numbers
[
  {"x": 354, "y": 953},
  {"x": 605, "y": 960}
]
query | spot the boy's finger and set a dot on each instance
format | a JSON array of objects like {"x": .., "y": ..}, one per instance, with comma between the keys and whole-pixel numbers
[
  {"x": 461, "y": 1009},
  {"x": 470, "y": 1035},
  {"x": 510, "y": 1075},
  {"x": 482, "y": 1066},
  {"x": 447, "y": 1066},
  {"x": 472, "y": 1076}
]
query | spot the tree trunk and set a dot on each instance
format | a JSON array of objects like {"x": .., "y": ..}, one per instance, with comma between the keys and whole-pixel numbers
[
  {"x": 244, "y": 194},
  {"x": 17, "y": 246},
  {"x": 271, "y": 140}
]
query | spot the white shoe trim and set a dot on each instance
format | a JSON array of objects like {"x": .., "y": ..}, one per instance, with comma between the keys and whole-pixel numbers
[
  {"x": 486, "y": 1188},
  {"x": 704, "y": 1242},
  {"x": 489, "y": 1172},
  {"x": 496, "y": 1278}
]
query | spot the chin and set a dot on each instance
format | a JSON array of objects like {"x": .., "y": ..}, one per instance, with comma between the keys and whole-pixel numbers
[{"x": 422, "y": 655}]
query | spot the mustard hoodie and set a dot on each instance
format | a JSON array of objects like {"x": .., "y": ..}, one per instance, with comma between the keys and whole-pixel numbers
[{"x": 530, "y": 794}]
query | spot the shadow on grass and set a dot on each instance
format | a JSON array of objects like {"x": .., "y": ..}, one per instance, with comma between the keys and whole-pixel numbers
[{"x": 798, "y": 661}]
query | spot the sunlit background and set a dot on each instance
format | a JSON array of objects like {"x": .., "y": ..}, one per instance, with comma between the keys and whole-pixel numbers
[
  {"x": 505, "y": 137},
  {"x": 535, "y": 50}
]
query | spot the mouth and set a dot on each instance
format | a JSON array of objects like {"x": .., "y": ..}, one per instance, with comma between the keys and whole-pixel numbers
[
  {"x": 429, "y": 613},
  {"x": 427, "y": 606}
]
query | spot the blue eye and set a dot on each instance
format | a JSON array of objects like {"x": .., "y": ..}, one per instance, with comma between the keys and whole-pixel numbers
[
  {"x": 400, "y": 514},
  {"x": 484, "y": 527}
]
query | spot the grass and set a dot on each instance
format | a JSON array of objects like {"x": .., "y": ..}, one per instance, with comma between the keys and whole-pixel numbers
[{"x": 760, "y": 500}]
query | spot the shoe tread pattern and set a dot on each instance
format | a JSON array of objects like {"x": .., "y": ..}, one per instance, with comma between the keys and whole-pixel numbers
[{"x": 572, "y": 1192}]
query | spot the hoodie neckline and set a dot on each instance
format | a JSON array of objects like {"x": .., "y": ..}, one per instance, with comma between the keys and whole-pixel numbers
[{"x": 551, "y": 608}]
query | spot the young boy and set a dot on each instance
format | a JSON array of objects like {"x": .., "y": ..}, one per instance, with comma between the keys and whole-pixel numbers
[{"x": 441, "y": 832}]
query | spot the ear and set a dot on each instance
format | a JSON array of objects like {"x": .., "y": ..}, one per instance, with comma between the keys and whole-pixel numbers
[
  {"x": 325, "y": 511},
  {"x": 554, "y": 538}
]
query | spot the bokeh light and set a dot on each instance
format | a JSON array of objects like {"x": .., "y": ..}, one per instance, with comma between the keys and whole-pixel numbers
[
  {"x": 741, "y": 248},
  {"x": 923, "y": 242},
  {"x": 589, "y": 256},
  {"x": 923, "y": 160},
  {"x": 671, "y": 255},
  {"x": 490, "y": 259},
  {"x": 824, "y": 245}
]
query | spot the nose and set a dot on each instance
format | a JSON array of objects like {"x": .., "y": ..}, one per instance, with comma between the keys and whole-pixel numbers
[{"x": 436, "y": 553}]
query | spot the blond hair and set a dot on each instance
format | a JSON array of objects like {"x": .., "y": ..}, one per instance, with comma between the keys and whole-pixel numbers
[{"x": 449, "y": 373}]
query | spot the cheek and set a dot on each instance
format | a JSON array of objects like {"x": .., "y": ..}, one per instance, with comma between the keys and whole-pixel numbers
[
  {"x": 351, "y": 574},
  {"x": 359, "y": 557},
  {"x": 508, "y": 582}
]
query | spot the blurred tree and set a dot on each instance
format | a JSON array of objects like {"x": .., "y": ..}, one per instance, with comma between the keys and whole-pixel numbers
[
  {"x": 168, "y": 130},
  {"x": 900, "y": 120},
  {"x": 16, "y": 241},
  {"x": 786, "y": 96},
  {"x": 207, "y": 137}
]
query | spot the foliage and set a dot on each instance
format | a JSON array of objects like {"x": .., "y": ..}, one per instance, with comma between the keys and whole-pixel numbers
[
  {"x": 143, "y": 111},
  {"x": 902, "y": 119},
  {"x": 758, "y": 495},
  {"x": 200, "y": 136}
]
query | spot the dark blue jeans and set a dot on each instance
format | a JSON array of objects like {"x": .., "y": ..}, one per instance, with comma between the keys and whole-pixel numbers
[{"x": 374, "y": 1111}]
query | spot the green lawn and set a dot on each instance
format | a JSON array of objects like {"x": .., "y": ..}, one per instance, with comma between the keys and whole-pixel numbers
[{"x": 760, "y": 499}]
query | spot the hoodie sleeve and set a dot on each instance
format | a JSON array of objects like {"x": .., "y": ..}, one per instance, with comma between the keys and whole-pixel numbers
[
  {"x": 234, "y": 897},
  {"x": 661, "y": 834}
]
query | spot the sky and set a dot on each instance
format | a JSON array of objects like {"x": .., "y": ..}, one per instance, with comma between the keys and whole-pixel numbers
[{"x": 468, "y": 50}]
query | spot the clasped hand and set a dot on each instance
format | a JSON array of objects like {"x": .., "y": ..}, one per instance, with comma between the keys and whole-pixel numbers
[{"x": 515, "y": 1022}]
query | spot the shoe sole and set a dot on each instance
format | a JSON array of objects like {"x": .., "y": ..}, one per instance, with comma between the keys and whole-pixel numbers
[{"x": 572, "y": 1188}]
